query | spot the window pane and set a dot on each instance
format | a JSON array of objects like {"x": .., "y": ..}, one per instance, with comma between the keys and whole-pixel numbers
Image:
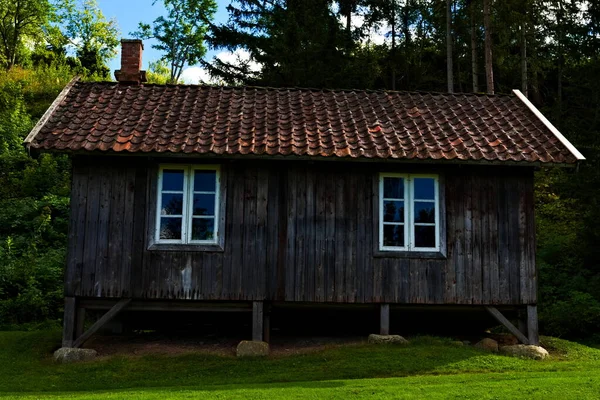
[
  {"x": 393, "y": 188},
  {"x": 172, "y": 179},
  {"x": 393, "y": 235},
  {"x": 170, "y": 228},
  {"x": 203, "y": 228},
  {"x": 424, "y": 236},
  {"x": 204, "y": 204},
  {"x": 424, "y": 188},
  {"x": 393, "y": 211},
  {"x": 171, "y": 204},
  {"x": 425, "y": 212},
  {"x": 205, "y": 181}
]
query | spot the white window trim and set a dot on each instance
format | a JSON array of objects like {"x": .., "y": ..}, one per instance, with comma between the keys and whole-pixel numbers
[
  {"x": 188, "y": 203},
  {"x": 409, "y": 223}
]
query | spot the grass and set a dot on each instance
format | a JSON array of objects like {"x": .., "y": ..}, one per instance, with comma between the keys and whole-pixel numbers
[{"x": 427, "y": 368}]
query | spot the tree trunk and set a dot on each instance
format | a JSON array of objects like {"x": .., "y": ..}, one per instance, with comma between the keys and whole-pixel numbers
[
  {"x": 487, "y": 24},
  {"x": 474, "y": 72},
  {"x": 393, "y": 52},
  {"x": 407, "y": 40},
  {"x": 524, "y": 83},
  {"x": 449, "y": 68}
]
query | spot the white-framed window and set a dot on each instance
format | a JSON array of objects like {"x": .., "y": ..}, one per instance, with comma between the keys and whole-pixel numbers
[
  {"x": 409, "y": 212},
  {"x": 188, "y": 204}
]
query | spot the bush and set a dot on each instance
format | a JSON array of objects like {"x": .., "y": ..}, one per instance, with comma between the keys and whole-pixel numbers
[{"x": 578, "y": 316}]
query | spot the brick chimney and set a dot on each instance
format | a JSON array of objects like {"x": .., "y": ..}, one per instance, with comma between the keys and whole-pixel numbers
[{"x": 131, "y": 62}]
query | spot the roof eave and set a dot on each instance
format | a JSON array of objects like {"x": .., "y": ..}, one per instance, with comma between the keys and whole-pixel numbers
[
  {"x": 40, "y": 124},
  {"x": 549, "y": 125}
]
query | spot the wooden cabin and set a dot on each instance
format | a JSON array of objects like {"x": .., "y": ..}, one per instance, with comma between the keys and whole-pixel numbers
[{"x": 197, "y": 198}]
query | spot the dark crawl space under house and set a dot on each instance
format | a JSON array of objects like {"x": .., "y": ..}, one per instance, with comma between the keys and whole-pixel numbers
[{"x": 198, "y": 198}]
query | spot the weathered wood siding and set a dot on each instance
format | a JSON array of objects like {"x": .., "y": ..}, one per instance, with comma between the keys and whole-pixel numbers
[{"x": 303, "y": 232}]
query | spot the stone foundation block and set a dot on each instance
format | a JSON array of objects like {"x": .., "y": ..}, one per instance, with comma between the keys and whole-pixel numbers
[
  {"x": 247, "y": 348},
  {"x": 488, "y": 344},
  {"x": 66, "y": 355},
  {"x": 387, "y": 339},
  {"x": 525, "y": 351}
]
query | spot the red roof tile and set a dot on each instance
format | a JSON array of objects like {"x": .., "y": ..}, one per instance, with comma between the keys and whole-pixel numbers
[{"x": 111, "y": 117}]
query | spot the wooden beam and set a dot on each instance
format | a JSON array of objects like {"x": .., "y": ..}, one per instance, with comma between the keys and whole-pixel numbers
[
  {"x": 257, "y": 321},
  {"x": 532, "y": 325},
  {"x": 69, "y": 322},
  {"x": 110, "y": 314},
  {"x": 384, "y": 319},
  {"x": 502, "y": 319}
]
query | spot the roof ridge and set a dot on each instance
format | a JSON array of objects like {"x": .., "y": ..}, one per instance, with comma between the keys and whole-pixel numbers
[{"x": 303, "y": 88}]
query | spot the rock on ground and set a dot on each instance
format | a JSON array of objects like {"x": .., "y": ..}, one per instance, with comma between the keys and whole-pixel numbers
[
  {"x": 525, "y": 351},
  {"x": 387, "y": 339},
  {"x": 67, "y": 355},
  {"x": 247, "y": 348},
  {"x": 487, "y": 344}
]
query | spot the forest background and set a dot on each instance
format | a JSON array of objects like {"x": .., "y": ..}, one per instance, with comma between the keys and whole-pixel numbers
[{"x": 550, "y": 50}]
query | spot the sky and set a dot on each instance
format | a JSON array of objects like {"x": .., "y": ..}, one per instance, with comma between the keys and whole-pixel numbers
[{"x": 129, "y": 13}]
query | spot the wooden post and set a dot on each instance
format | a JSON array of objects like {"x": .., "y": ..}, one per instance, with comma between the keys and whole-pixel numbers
[
  {"x": 69, "y": 322},
  {"x": 384, "y": 319},
  {"x": 267, "y": 323},
  {"x": 79, "y": 321},
  {"x": 257, "y": 321},
  {"x": 532, "y": 325}
]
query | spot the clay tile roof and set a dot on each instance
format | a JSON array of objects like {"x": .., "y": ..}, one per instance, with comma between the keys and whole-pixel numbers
[{"x": 111, "y": 117}]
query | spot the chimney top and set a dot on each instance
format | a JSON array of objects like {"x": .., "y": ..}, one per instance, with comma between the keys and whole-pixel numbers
[{"x": 131, "y": 62}]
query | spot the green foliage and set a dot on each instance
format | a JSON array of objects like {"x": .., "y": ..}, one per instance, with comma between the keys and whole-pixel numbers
[
  {"x": 180, "y": 34},
  {"x": 20, "y": 20},
  {"x": 94, "y": 38},
  {"x": 159, "y": 72}
]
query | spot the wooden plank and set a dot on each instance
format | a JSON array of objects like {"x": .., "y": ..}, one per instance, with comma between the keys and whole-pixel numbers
[
  {"x": 77, "y": 232},
  {"x": 232, "y": 227},
  {"x": 503, "y": 242},
  {"x": 101, "y": 322},
  {"x": 330, "y": 231},
  {"x": 69, "y": 322},
  {"x": 237, "y": 235},
  {"x": 450, "y": 264},
  {"x": 459, "y": 243},
  {"x": 257, "y": 321},
  {"x": 115, "y": 232},
  {"x": 102, "y": 274},
  {"x": 272, "y": 240},
  {"x": 362, "y": 210},
  {"x": 262, "y": 245},
  {"x": 340, "y": 229},
  {"x": 310, "y": 269},
  {"x": 300, "y": 264},
  {"x": 532, "y": 325},
  {"x": 530, "y": 242},
  {"x": 502, "y": 319},
  {"x": 350, "y": 236},
  {"x": 140, "y": 188},
  {"x": 290, "y": 263},
  {"x": 282, "y": 236},
  {"x": 476, "y": 238},
  {"x": 469, "y": 271},
  {"x": 384, "y": 319},
  {"x": 523, "y": 248},
  {"x": 321, "y": 192},
  {"x": 514, "y": 249},
  {"x": 494, "y": 253},
  {"x": 248, "y": 283},
  {"x": 91, "y": 235},
  {"x": 485, "y": 242}
]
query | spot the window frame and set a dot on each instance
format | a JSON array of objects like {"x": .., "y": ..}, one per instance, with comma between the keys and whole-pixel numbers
[
  {"x": 187, "y": 207},
  {"x": 409, "y": 224}
]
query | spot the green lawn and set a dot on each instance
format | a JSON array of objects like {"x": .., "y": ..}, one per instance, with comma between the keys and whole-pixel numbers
[{"x": 427, "y": 368}]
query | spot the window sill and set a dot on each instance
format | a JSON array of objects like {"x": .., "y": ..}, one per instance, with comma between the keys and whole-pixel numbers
[
  {"x": 209, "y": 248},
  {"x": 432, "y": 255}
]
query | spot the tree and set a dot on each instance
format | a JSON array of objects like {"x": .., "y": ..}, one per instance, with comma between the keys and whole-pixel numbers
[
  {"x": 487, "y": 24},
  {"x": 449, "y": 46},
  {"x": 20, "y": 19},
  {"x": 181, "y": 33},
  {"x": 94, "y": 38}
]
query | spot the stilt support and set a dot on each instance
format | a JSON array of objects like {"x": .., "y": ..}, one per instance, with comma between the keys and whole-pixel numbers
[
  {"x": 384, "y": 319},
  {"x": 98, "y": 324},
  {"x": 69, "y": 322},
  {"x": 257, "y": 321},
  {"x": 532, "y": 325},
  {"x": 502, "y": 319}
]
